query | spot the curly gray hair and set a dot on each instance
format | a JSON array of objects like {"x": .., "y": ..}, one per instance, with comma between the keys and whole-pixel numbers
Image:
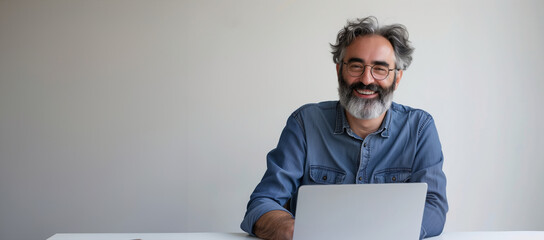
[{"x": 396, "y": 34}]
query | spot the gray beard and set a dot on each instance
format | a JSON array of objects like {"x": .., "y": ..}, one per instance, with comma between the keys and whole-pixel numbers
[{"x": 365, "y": 108}]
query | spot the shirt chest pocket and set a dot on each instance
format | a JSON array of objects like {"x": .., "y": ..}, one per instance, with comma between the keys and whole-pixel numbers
[
  {"x": 326, "y": 175},
  {"x": 392, "y": 176}
]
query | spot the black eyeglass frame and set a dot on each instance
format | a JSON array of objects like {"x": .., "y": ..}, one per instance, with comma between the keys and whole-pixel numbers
[{"x": 371, "y": 70}]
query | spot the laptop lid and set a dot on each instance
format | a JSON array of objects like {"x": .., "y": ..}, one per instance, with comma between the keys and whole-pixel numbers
[{"x": 360, "y": 211}]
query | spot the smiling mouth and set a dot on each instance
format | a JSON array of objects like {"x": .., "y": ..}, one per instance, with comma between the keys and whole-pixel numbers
[{"x": 365, "y": 91}]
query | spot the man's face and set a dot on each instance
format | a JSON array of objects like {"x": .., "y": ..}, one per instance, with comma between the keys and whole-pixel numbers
[{"x": 364, "y": 97}]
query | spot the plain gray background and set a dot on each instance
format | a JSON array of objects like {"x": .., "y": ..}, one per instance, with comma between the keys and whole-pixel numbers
[{"x": 156, "y": 116}]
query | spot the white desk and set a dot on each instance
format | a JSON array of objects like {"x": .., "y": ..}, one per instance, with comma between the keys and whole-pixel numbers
[
  {"x": 498, "y": 235},
  {"x": 151, "y": 236},
  {"x": 514, "y": 235}
]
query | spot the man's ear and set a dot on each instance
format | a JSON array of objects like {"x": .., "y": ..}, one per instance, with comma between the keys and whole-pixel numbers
[
  {"x": 399, "y": 77},
  {"x": 338, "y": 69}
]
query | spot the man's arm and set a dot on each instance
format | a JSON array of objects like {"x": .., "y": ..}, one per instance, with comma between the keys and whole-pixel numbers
[
  {"x": 285, "y": 167},
  {"x": 428, "y": 169},
  {"x": 275, "y": 225}
]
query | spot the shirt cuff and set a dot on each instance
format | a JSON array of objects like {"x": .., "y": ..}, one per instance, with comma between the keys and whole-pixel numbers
[
  {"x": 423, "y": 233},
  {"x": 254, "y": 214}
]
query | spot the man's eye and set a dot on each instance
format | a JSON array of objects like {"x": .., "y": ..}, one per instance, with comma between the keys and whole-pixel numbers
[
  {"x": 380, "y": 69},
  {"x": 356, "y": 67}
]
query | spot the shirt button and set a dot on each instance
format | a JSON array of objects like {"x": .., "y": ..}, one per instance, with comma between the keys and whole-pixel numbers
[
  {"x": 364, "y": 144},
  {"x": 394, "y": 179},
  {"x": 324, "y": 177},
  {"x": 360, "y": 178}
]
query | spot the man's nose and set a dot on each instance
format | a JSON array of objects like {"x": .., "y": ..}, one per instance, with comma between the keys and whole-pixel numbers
[{"x": 367, "y": 77}]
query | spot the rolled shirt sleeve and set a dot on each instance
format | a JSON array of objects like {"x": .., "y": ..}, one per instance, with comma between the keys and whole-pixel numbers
[
  {"x": 282, "y": 178},
  {"x": 428, "y": 169}
]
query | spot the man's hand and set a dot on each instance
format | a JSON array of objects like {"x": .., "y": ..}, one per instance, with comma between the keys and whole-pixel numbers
[{"x": 275, "y": 225}]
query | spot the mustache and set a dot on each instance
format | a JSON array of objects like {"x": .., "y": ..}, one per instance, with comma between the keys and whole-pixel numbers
[{"x": 362, "y": 86}]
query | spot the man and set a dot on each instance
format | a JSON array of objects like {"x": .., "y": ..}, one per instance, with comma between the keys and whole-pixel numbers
[{"x": 363, "y": 138}]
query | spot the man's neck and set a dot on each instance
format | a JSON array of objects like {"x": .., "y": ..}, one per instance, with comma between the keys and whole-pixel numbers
[{"x": 364, "y": 127}]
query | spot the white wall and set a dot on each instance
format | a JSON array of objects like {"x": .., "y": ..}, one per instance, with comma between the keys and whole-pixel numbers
[{"x": 156, "y": 116}]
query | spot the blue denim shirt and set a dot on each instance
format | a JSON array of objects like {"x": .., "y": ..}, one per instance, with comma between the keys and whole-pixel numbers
[{"x": 317, "y": 146}]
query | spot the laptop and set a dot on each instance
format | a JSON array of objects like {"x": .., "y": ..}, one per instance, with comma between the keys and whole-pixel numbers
[{"x": 360, "y": 211}]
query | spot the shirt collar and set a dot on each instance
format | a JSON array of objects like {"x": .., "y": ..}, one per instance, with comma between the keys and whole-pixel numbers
[{"x": 342, "y": 122}]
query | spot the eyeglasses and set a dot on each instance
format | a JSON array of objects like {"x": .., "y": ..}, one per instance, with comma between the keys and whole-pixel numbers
[{"x": 379, "y": 72}]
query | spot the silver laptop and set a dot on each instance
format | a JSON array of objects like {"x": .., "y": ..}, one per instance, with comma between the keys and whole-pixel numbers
[{"x": 360, "y": 211}]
